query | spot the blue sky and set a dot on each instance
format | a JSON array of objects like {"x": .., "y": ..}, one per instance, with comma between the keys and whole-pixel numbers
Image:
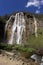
[{"x": 10, "y": 6}]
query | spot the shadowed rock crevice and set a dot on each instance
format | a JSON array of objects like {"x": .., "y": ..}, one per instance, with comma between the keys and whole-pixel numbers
[{"x": 2, "y": 29}]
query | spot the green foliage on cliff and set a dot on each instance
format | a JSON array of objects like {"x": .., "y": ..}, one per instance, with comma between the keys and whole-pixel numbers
[
  {"x": 36, "y": 42},
  {"x": 3, "y": 19},
  {"x": 33, "y": 41}
]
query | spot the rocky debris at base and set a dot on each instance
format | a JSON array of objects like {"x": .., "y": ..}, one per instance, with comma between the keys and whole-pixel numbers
[
  {"x": 17, "y": 59},
  {"x": 8, "y": 61}
]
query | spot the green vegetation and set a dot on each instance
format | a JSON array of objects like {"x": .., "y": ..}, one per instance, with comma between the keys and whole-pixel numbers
[
  {"x": 24, "y": 49},
  {"x": 25, "y": 52},
  {"x": 5, "y": 47},
  {"x": 3, "y": 19},
  {"x": 32, "y": 44},
  {"x": 36, "y": 42},
  {"x": 15, "y": 47}
]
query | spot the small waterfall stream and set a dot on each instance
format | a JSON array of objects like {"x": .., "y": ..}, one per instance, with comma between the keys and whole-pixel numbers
[
  {"x": 13, "y": 30},
  {"x": 35, "y": 24},
  {"x": 8, "y": 22}
]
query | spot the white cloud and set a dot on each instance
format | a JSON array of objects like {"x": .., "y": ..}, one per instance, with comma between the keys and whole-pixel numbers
[
  {"x": 41, "y": 2},
  {"x": 37, "y": 11},
  {"x": 35, "y": 3},
  {"x": 32, "y": 3}
]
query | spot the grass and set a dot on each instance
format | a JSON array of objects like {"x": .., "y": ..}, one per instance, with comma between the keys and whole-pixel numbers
[
  {"x": 24, "y": 51},
  {"x": 15, "y": 47},
  {"x": 5, "y": 47},
  {"x": 36, "y": 42}
]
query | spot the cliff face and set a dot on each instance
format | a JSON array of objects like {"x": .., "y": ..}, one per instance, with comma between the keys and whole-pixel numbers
[
  {"x": 1, "y": 31},
  {"x": 26, "y": 24},
  {"x": 3, "y": 20},
  {"x": 18, "y": 21}
]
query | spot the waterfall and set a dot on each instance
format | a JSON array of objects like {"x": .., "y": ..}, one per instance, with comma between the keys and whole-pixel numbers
[
  {"x": 13, "y": 30},
  {"x": 35, "y": 24},
  {"x": 8, "y": 23},
  {"x": 18, "y": 27},
  {"x": 19, "y": 24}
]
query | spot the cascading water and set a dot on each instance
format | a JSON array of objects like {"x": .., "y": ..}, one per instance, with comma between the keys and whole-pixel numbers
[
  {"x": 8, "y": 22},
  {"x": 20, "y": 28},
  {"x": 35, "y": 24},
  {"x": 19, "y": 24},
  {"x": 13, "y": 30}
]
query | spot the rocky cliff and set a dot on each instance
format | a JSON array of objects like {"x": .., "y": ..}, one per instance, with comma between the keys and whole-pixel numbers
[{"x": 33, "y": 24}]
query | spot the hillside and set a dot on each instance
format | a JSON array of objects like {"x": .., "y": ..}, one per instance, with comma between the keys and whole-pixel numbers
[{"x": 31, "y": 39}]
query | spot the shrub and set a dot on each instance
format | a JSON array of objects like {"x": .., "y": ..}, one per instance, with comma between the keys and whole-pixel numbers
[{"x": 5, "y": 47}]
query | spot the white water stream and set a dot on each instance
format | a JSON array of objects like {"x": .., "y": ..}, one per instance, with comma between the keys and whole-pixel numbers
[
  {"x": 8, "y": 22},
  {"x": 35, "y": 24},
  {"x": 19, "y": 24}
]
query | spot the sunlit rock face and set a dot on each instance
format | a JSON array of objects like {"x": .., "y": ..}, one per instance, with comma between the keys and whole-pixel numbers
[{"x": 19, "y": 27}]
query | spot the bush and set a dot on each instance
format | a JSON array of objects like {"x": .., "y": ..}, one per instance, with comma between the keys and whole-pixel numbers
[{"x": 5, "y": 47}]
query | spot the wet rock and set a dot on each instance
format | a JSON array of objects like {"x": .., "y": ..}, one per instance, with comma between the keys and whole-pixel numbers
[
  {"x": 36, "y": 58},
  {"x": 41, "y": 63},
  {"x": 42, "y": 59}
]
